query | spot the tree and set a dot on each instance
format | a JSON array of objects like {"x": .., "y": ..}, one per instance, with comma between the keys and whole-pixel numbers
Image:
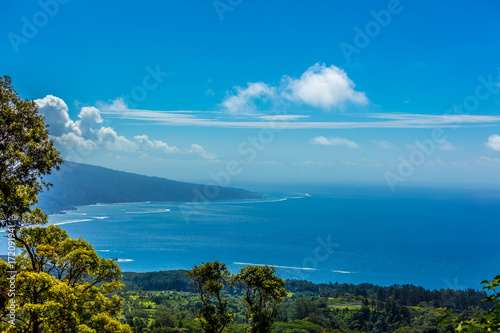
[
  {"x": 210, "y": 279},
  {"x": 264, "y": 292},
  {"x": 27, "y": 154},
  {"x": 484, "y": 322},
  {"x": 61, "y": 284},
  {"x": 67, "y": 290}
]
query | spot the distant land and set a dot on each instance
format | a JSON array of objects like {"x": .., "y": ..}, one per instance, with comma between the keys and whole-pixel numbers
[{"x": 78, "y": 184}]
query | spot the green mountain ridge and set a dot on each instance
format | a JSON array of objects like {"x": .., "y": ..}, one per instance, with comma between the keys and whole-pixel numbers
[{"x": 78, "y": 184}]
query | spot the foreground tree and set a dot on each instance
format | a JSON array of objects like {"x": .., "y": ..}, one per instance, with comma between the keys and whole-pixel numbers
[
  {"x": 210, "y": 279},
  {"x": 67, "y": 290},
  {"x": 26, "y": 155},
  {"x": 56, "y": 284},
  {"x": 263, "y": 294}
]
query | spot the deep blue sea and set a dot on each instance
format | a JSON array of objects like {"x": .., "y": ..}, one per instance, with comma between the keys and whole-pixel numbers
[{"x": 433, "y": 237}]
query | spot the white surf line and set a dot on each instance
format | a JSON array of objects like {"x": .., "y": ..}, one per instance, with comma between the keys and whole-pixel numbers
[
  {"x": 287, "y": 267},
  {"x": 249, "y": 201},
  {"x": 133, "y": 203},
  {"x": 73, "y": 221},
  {"x": 343, "y": 272},
  {"x": 151, "y": 211},
  {"x": 244, "y": 202}
]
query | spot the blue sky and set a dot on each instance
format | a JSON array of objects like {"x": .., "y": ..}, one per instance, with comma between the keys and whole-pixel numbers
[{"x": 395, "y": 92}]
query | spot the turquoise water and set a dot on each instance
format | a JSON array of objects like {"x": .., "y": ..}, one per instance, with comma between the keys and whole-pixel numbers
[{"x": 437, "y": 238}]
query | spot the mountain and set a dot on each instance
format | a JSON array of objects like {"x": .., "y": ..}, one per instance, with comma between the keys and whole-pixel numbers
[{"x": 78, "y": 184}]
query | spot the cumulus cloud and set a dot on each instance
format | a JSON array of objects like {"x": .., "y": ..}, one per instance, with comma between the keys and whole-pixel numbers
[
  {"x": 494, "y": 142},
  {"x": 324, "y": 87},
  {"x": 89, "y": 116},
  {"x": 56, "y": 115},
  {"x": 321, "y": 140},
  {"x": 87, "y": 133},
  {"x": 382, "y": 144},
  {"x": 319, "y": 86},
  {"x": 107, "y": 138},
  {"x": 243, "y": 101},
  {"x": 197, "y": 149},
  {"x": 146, "y": 144},
  {"x": 73, "y": 141}
]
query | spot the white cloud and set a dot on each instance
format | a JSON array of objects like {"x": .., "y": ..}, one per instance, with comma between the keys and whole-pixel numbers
[
  {"x": 146, "y": 144},
  {"x": 321, "y": 140},
  {"x": 319, "y": 86},
  {"x": 87, "y": 133},
  {"x": 489, "y": 159},
  {"x": 89, "y": 116},
  {"x": 73, "y": 141},
  {"x": 116, "y": 105},
  {"x": 434, "y": 163},
  {"x": 323, "y": 87},
  {"x": 197, "y": 149},
  {"x": 313, "y": 163},
  {"x": 384, "y": 144},
  {"x": 441, "y": 145},
  {"x": 56, "y": 115},
  {"x": 107, "y": 138},
  {"x": 494, "y": 142},
  {"x": 348, "y": 162},
  {"x": 243, "y": 101},
  {"x": 445, "y": 145}
]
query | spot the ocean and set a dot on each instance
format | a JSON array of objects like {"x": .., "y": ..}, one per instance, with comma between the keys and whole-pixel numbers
[{"x": 426, "y": 236}]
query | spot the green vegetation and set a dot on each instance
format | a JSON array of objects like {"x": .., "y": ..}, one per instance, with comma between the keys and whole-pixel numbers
[
  {"x": 210, "y": 279},
  {"x": 26, "y": 156},
  {"x": 308, "y": 307},
  {"x": 56, "y": 284},
  {"x": 263, "y": 293},
  {"x": 67, "y": 287},
  {"x": 262, "y": 290},
  {"x": 483, "y": 322}
]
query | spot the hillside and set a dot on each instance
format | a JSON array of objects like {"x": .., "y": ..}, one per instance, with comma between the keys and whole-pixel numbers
[{"x": 81, "y": 184}]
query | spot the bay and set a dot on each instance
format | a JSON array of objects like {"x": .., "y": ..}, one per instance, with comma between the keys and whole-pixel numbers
[{"x": 431, "y": 237}]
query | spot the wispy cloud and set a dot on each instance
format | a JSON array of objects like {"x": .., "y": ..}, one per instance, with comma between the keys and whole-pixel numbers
[
  {"x": 382, "y": 144},
  {"x": 489, "y": 159},
  {"x": 284, "y": 117},
  {"x": 321, "y": 140},
  {"x": 445, "y": 145},
  {"x": 383, "y": 120},
  {"x": 441, "y": 145}
]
